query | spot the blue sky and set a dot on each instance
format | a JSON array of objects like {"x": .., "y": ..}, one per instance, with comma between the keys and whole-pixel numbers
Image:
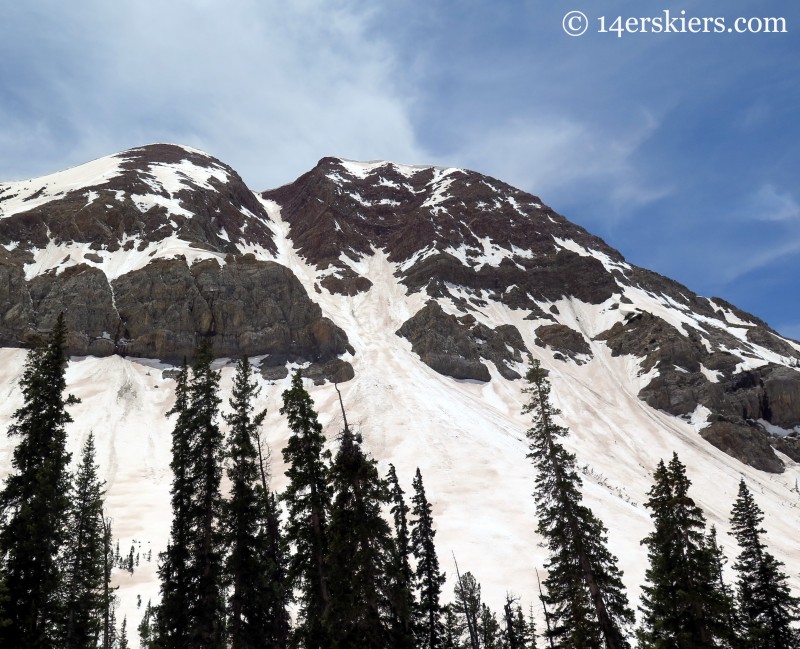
[{"x": 681, "y": 150}]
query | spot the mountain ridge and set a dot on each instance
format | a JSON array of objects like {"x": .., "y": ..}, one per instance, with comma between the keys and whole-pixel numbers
[{"x": 639, "y": 366}]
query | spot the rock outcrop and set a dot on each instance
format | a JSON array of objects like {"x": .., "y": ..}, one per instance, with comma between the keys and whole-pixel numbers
[{"x": 454, "y": 346}]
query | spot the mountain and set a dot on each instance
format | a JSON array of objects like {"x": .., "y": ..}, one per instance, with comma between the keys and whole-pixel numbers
[{"x": 421, "y": 290}]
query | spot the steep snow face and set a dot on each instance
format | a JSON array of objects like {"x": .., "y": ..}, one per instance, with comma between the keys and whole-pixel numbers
[{"x": 466, "y": 436}]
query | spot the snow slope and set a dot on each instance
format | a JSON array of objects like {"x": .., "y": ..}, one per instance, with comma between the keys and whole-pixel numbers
[{"x": 468, "y": 438}]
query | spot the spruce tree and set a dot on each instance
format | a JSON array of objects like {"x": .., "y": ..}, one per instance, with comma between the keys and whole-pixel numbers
[
  {"x": 452, "y": 631},
  {"x": 766, "y": 605},
  {"x": 489, "y": 629},
  {"x": 192, "y": 610},
  {"x": 683, "y": 604},
  {"x": 427, "y": 576},
  {"x": 518, "y": 633},
  {"x": 35, "y": 501},
  {"x": 251, "y": 570},
  {"x": 401, "y": 576},
  {"x": 359, "y": 547},
  {"x": 589, "y": 607},
  {"x": 122, "y": 642},
  {"x": 468, "y": 609},
  {"x": 308, "y": 499},
  {"x": 85, "y": 556},
  {"x": 206, "y": 603},
  {"x": 173, "y": 624}
]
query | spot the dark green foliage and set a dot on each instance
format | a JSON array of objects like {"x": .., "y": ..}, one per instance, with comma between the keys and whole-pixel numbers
[
  {"x": 192, "y": 612},
  {"x": 122, "y": 641},
  {"x": 489, "y": 629},
  {"x": 401, "y": 595},
  {"x": 359, "y": 551},
  {"x": 258, "y": 594},
  {"x": 518, "y": 633},
  {"x": 108, "y": 597},
  {"x": 427, "y": 576},
  {"x": 173, "y": 626},
  {"x": 766, "y": 605},
  {"x": 683, "y": 602},
  {"x": 84, "y": 557},
  {"x": 585, "y": 595},
  {"x": 308, "y": 499},
  {"x": 467, "y": 606},
  {"x": 451, "y": 630},
  {"x": 147, "y": 628},
  {"x": 35, "y": 502},
  {"x": 204, "y": 534}
]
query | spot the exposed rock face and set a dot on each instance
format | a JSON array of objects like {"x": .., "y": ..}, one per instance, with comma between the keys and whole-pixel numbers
[
  {"x": 166, "y": 308},
  {"x": 746, "y": 443},
  {"x": 567, "y": 342},
  {"x": 84, "y": 296},
  {"x": 686, "y": 360},
  {"x": 246, "y": 306},
  {"x": 454, "y": 346}
]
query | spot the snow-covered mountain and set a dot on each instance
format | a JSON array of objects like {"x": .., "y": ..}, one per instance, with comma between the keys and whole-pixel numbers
[{"x": 421, "y": 290}]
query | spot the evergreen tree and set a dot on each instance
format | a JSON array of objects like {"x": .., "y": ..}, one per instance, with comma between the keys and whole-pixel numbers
[
  {"x": 108, "y": 596},
  {"x": 518, "y": 632},
  {"x": 308, "y": 500},
  {"x": 451, "y": 638},
  {"x": 35, "y": 499},
  {"x": 589, "y": 607},
  {"x": 467, "y": 607},
  {"x": 85, "y": 556},
  {"x": 173, "y": 625},
  {"x": 489, "y": 629},
  {"x": 251, "y": 571},
  {"x": 401, "y": 576},
  {"x": 207, "y": 605},
  {"x": 192, "y": 610},
  {"x": 766, "y": 605},
  {"x": 147, "y": 628},
  {"x": 122, "y": 642},
  {"x": 359, "y": 547},
  {"x": 682, "y": 603},
  {"x": 427, "y": 576}
]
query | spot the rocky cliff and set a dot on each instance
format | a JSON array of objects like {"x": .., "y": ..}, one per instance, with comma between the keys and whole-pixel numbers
[{"x": 154, "y": 249}]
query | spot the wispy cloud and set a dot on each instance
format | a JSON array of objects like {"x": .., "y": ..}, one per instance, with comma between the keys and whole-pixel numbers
[
  {"x": 267, "y": 87},
  {"x": 557, "y": 155}
]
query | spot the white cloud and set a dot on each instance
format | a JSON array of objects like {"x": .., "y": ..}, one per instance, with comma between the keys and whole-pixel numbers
[
  {"x": 267, "y": 87},
  {"x": 552, "y": 156},
  {"x": 768, "y": 204}
]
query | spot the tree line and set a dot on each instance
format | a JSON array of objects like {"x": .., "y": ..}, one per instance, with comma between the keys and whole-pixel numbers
[{"x": 340, "y": 560}]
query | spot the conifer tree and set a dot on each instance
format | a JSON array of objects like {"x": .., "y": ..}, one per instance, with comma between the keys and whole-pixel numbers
[
  {"x": 85, "y": 557},
  {"x": 122, "y": 642},
  {"x": 108, "y": 598},
  {"x": 251, "y": 571},
  {"x": 682, "y": 602},
  {"x": 518, "y": 632},
  {"x": 205, "y": 508},
  {"x": 35, "y": 499},
  {"x": 452, "y": 632},
  {"x": 489, "y": 629},
  {"x": 427, "y": 576},
  {"x": 359, "y": 547},
  {"x": 308, "y": 500},
  {"x": 401, "y": 576},
  {"x": 766, "y": 605},
  {"x": 589, "y": 607},
  {"x": 467, "y": 606},
  {"x": 173, "y": 625},
  {"x": 192, "y": 610},
  {"x": 147, "y": 628}
]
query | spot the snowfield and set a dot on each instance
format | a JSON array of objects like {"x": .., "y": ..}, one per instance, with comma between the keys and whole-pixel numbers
[{"x": 468, "y": 438}]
